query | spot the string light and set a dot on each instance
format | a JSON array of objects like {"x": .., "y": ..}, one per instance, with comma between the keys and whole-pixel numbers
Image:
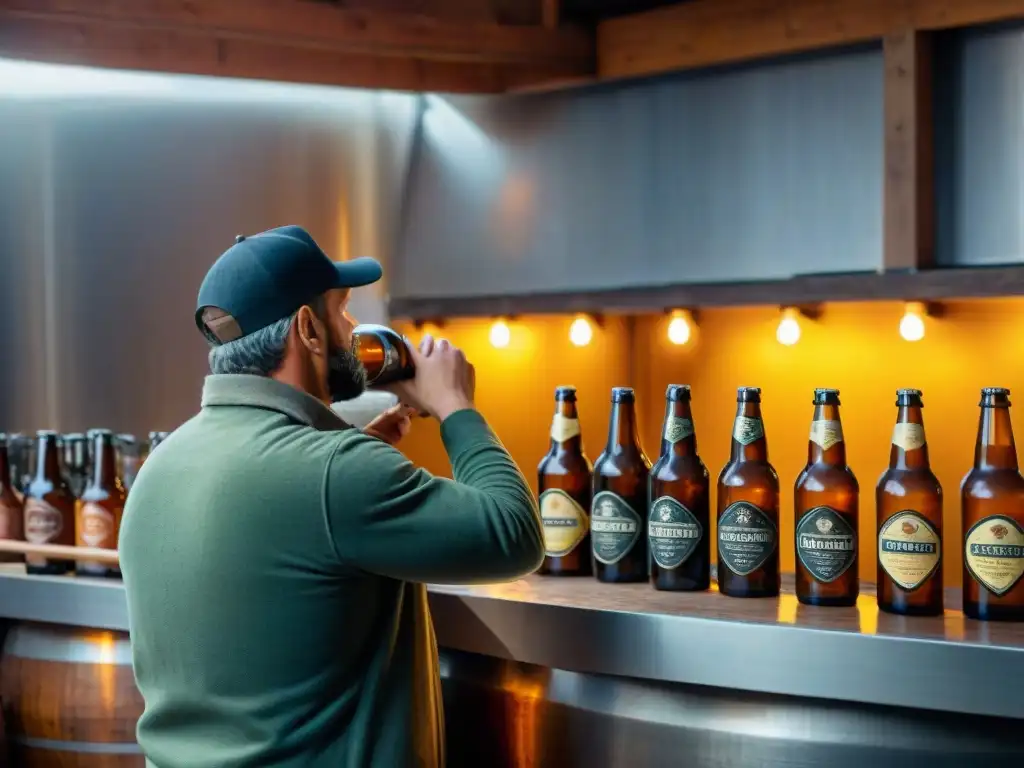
[
  {"x": 788, "y": 332},
  {"x": 680, "y": 327},
  {"x": 500, "y": 335},
  {"x": 580, "y": 332},
  {"x": 912, "y": 322}
]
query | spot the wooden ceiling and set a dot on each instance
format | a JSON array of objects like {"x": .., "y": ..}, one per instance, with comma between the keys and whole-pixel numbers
[{"x": 463, "y": 46}]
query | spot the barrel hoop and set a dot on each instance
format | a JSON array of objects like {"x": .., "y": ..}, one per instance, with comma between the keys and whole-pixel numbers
[
  {"x": 91, "y": 747},
  {"x": 25, "y": 642}
]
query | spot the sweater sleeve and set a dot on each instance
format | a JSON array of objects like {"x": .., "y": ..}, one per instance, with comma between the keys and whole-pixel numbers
[{"x": 389, "y": 517}]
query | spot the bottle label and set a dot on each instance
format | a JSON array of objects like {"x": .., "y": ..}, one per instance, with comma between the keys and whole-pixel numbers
[
  {"x": 909, "y": 437},
  {"x": 826, "y": 543},
  {"x": 565, "y": 522},
  {"x": 826, "y": 433},
  {"x": 562, "y": 428},
  {"x": 909, "y": 549},
  {"x": 747, "y": 430},
  {"x": 43, "y": 521},
  {"x": 673, "y": 532},
  {"x": 746, "y": 537},
  {"x": 96, "y": 526},
  {"x": 677, "y": 429},
  {"x": 994, "y": 551},
  {"x": 614, "y": 526}
]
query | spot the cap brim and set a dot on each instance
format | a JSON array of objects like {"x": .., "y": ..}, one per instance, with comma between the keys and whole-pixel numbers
[{"x": 358, "y": 272}]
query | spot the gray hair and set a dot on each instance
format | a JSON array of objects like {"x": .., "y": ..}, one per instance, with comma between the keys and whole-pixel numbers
[{"x": 261, "y": 352}]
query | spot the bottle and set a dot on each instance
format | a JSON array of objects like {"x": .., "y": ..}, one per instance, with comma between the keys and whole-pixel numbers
[
  {"x": 129, "y": 457},
  {"x": 620, "y": 497},
  {"x": 75, "y": 458},
  {"x": 908, "y": 498},
  {"x": 679, "y": 517},
  {"x": 383, "y": 353},
  {"x": 748, "y": 507},
  {"x": 49, "y": 507},
  {"x": 826, "y": 498},
  {"x": 992, "y": 499},
  {"x": 12, "y": 513},
  {"x": 100, "y": 508},
  {"x": 563, "y": 483}
]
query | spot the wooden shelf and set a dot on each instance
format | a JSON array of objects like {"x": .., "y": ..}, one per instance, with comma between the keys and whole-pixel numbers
[{"x": 927, "y": 285}]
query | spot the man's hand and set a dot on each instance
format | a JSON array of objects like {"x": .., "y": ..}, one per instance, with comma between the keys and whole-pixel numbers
[
  {"x": 392, "y": 425},
  {"x": 445, "y": 381}
]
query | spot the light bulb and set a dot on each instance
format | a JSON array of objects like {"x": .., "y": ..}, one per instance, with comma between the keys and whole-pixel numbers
[
  {"x": 788, "y": 332},
  {"x": 580, "y": 332},
  {"x": 501, "y": 334},
  {"x": 679, "y": 329},
  {"x": 912, "y": 322}
]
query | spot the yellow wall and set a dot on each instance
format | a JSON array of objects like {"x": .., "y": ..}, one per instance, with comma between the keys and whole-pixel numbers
[{"x": 854, "y": 347}]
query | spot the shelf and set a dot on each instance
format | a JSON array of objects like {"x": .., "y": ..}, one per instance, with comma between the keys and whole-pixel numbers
[{"x": 930, "y": 285}]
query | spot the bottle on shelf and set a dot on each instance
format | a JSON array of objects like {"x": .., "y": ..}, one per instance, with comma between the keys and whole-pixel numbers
[
  {"x": 564, "y": 480},
  {"x": 826, "y": 512},
  {"x": 100, "y": 507},
  {"x": 679, "y": 515},
  {"x": 908, "y": 498},
  {"x": 992, "y": 503},
  {"x": 748, "y": 507},
  {"x": 620, "y": 497},
  {"x": 383, "y": 353},
  {"x": 129, "y": 457},
  {"x": 12, "y": 513},
  {"x": 75, "y": 458},
  {"x": 49, "y": 507}
]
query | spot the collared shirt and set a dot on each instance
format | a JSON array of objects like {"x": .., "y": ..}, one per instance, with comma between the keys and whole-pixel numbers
[{"x": 275, "y": 559}]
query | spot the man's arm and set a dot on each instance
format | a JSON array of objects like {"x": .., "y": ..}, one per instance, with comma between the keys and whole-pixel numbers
[{"x": 388, "y": 517}]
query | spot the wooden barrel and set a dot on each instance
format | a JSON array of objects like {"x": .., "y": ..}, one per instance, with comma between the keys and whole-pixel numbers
[{"x": 69, "y": 698}]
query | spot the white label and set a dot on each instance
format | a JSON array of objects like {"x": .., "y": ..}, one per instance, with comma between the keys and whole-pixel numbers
[
  {"x": 746, "y": 430},
  {"x": 564, "y": 428},
  {"x": 96, "y": 526},
  {"x": 677, "y": 429},
  {"x": 43, "y": 521},
  {"x": 826, "y": 433},
  {"x": 909, "y": 437}
]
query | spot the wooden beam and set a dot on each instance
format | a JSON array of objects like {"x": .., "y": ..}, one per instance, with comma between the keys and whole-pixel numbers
[
  {"x": 293, "y": 40},
  {"x": 704, "y": 33},
  {"x": 909, "y": 186}
]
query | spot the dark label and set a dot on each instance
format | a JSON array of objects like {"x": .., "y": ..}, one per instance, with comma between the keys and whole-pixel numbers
[
  {"x": 673, "y": 532},
  {"x": 826, "y": 544},
  {"x": 746, "y": 537},
  {"x": 614, "y": 527}
]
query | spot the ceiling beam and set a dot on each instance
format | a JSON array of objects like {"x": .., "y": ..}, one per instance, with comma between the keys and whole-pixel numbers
[
  {"x": 295, "y": 41},
  {"x": 705, "y": 33}
]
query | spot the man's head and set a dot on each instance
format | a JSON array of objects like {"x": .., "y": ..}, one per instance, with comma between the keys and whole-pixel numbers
[{"x": 275, "y": 305}]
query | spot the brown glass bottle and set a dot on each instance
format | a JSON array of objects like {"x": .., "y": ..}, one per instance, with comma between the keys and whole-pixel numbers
[
  {"x": 908, "y": 498},
  {"x": 129, "y": 456},
  {"x": 679, "y": 515},
  {"x": 617, "y": 537},
  {"x": 49, "y": 507},
  {"x": 564, "y": 480},
  {"x": 826, "y": 501},
  {"x": 383, "y": 353},
  {"x": 748, "y": 507},
  {"x": 992, "y": 500},
  {"x": 99, "y": 510},
  {"x": 12, "y": 514},
  {"x": 75, "y": 458}
]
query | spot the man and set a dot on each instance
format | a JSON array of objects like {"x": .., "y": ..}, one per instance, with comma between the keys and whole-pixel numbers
[{"x": 274, "y": 557}]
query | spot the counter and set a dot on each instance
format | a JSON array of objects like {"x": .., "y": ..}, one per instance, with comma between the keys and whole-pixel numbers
[{"x": 549, "y": 671}]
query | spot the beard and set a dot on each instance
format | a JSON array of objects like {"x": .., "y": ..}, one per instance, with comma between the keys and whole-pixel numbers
[{"x": 346, "y": 377}]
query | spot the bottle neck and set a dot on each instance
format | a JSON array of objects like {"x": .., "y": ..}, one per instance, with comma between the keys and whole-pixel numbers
[
  {"x": 748, "y": 439},
  {"x": 995, "y": 448},
  {"x": 623, "y": 436},
  {"x": 565, "y": 428},
  {"x": 678, "y": 438},
  {"x": 826, "y": 444},
  {"x": 909, "y": 446},
  {"x": 104, "y": 470},
  {"x": 47, "y": 460},
  {"x": 5, "y": 469}
]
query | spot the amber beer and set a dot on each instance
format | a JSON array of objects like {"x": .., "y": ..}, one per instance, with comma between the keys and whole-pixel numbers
[
  {"x": 100, "y": 508},
  {"x": 383, "y": 353},
  {"x": 992, "y": 499},
  {"x": 748, "y": 507},
  {"x": 909, "y": 503},
  {"x": 12, "y": 518},
  {"x": 49, "y": 507},
  {"x": 620, "y": 497},
  {"x": 826, "y": 498},
  {"x": 563, "y": 484},
  {"x": 679, "y": 518}
]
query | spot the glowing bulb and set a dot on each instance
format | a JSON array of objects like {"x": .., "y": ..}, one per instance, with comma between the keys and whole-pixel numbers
[
  {"x": 788, "y": 332},
  {"x": 580, "y": 332},
  {"x": 679, "y": 329},
  {"x": 501, "y": 334},
  {"x": 912, "y": 322}
]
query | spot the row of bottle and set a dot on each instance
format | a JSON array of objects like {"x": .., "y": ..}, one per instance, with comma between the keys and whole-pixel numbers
[
  {"x": 56, "y": 504},
  {"x": 594, "y": 521}
]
